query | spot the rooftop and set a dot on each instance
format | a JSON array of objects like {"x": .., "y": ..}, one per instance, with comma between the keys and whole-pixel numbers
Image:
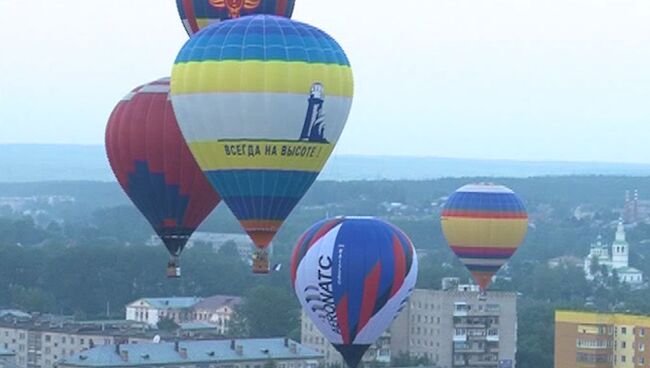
[
  {"x": 14, "y": 313},
  {"x": 91, "y": 328},
  {"x": 587, "y": 317},
  {"x": 218, "y": 301},
  {"x": 191, "y": 352},
  {"x": 164, "y": 303},
  {"x": 195, "y": 326},
  {"x": 627, "y": 270}
]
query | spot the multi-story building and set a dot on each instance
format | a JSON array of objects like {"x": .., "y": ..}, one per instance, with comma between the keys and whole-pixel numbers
[
  {"x": 458, "y": 328},
  {"x": 216, "y": 310},
  {"x": 152, "y": 310},
  {"x": 39, "y": 344},
  {"x": 448, "y": 328},
  {"x": 241, "y": 353},
  {"x": 7, "y": 358},
  {"x": 601, "y": 340}
]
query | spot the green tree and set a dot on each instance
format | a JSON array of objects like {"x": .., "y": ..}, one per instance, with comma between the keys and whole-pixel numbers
[
  {"x": 267, "y": 311},
  {"x": 167, "y": 324},
  {"x": 594, "y": 266},
  {"x": 535, "y": 334},
  {"x": 270, "y": 364},
  {"x": 32, "y": 299},
  {"x": 407, "y": 360}
]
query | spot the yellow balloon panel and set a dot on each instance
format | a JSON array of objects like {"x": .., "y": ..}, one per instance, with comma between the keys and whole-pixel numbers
[
  {"x": 260, "y": 76},
  {"x": 473, "y": 232},
  {"x": 225, "y": 155}
]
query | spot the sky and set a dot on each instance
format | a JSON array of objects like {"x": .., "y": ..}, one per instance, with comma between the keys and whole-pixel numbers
[{"x": 565, "y": 80}]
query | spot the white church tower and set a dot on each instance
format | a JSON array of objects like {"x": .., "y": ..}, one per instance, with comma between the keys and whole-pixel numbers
[
  {"x": 620, "y": 248},
  {"x": 619, "y": 259}
]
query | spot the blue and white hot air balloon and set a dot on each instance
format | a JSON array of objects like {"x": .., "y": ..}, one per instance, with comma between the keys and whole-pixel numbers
[{"x": 352, "y": 276}]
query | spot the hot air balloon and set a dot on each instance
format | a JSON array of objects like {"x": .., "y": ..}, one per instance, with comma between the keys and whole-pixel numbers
[
  {"x": 198, "y": 14},
  {"x": 353, "y": 276},
  {"x": 261, "y": 101},
  {"x": 484, "y": 225},
  {"x": 155, "y": 168}
]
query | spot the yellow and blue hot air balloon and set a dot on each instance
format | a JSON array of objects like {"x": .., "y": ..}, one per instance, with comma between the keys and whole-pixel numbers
[
  {"x": 261, "y": 101},
  {"x": 484, "y": 225}
]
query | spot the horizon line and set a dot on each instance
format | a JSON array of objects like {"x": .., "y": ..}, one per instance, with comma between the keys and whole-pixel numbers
[{"x": 397, "y": 156}]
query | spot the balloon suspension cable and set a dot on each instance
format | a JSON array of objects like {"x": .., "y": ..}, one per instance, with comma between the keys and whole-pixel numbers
[{"x": 173, "y": 267}]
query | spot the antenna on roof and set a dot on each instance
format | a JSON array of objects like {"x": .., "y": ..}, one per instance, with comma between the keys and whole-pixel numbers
[{"x": 156, "y": 339}]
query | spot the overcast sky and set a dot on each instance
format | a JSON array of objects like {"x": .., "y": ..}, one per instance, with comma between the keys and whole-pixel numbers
[{"x": 517, "y": 79}]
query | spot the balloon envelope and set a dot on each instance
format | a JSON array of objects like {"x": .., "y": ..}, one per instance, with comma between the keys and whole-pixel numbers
[
  {"x": 352, "y": 277},
  {"x": 198, "y": 14},
  {"x": 261, "y": 101},
  {"x": 484, "y": 225},
  {"x": 154, "y": 166}
]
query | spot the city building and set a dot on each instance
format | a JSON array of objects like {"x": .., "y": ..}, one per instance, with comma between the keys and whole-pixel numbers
[
  {"x": 39, "y": 342},
  {"x": 216, "y": 310},
  {"x": 13, "y": 313},
  {"x": 601, "y": 340},
  {"x": 240, "y": 353},
  {"x": 635, "y": 210},
  {"x": 565, "y": 261},
  {"x": 152, "y": 310},
  {"x": 7, "y": 359},
  {"x": 599, "y": 257},
  {"x": 456, "y": 328},
  {"x": 448, "y": 328}
]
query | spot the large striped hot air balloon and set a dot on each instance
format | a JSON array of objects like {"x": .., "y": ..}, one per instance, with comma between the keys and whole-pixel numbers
[
  {"x": 155, "y": 168},
  {"x": 484, "y": 225},
  {"x": 261, "y": 101},
  {"x": 198, "y": 14},
  {"x": 352, "y": 276}
]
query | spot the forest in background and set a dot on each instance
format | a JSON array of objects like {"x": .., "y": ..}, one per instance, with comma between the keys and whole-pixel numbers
[{"x": 84, "y": 253}]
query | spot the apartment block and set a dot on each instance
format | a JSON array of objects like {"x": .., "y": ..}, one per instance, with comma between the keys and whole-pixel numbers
[
  {"x": 448, "y": 328},
  {"x": 7, "y": 359},
  {"x": 39, "y": 343},
  {"x": 601, "y": 340}
]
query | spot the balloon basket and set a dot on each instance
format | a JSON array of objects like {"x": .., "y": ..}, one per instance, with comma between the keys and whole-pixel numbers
[
  {"x": 482, "y": 295},
  {"x": 261, "y": 264},
  {"x": 173, "y": 269}
]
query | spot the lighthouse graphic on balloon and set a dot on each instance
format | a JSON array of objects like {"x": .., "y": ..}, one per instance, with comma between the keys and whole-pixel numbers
[{"x": 314, "y": 128}]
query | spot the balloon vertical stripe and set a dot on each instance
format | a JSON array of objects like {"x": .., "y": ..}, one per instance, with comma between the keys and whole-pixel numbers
[
  {"x": 400, "y": 266},
  {"x": 342, "y": 311},
  {"x": 369, "y": 299},
  {"x": 189, "y": 16},
  {"x": 198, "y": 14}
]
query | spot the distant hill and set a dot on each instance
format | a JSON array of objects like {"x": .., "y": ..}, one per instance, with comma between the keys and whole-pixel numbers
[
  {"x": 29, "y": 162},
  {"x": 44, "y": 162}
]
